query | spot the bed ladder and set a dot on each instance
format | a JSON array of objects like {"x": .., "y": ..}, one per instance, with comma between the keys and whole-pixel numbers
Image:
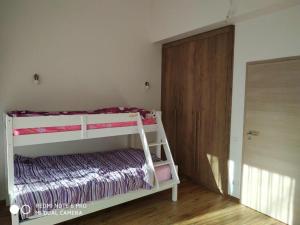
[
  {"x": 146, "y": 149},
  {"x": 162, "y": 142}
]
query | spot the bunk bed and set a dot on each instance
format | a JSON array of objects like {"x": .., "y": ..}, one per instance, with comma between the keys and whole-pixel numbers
[{"x": 146, "y": 173}]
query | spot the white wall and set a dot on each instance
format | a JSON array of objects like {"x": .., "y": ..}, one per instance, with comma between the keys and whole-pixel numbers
[
  {"x": 174, "y": 19},
  {"x": 266, "y": 37},
  {"x": 104, "y": 46},
  {"x": 89, "y": 54},
  {"x": 265, "y": 29}
]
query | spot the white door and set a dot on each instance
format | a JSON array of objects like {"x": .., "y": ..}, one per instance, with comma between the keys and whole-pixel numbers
[{"x": 271, "y": 154}]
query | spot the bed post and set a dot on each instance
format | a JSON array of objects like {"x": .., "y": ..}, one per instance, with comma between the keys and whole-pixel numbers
[
  {"x": 158, "y": 137},
  {"x": 10, "y": 165},
  {"x": 175, "y": 189},
  {"x": 174, "y": 193},
  {"x": 9, "y": 155}
]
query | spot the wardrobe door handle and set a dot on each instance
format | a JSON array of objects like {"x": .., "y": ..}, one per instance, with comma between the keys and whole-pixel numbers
[
  {"x": 180, "y": 102},
  {"x": 195, "y": 140},
  {"x": 175, "y": 138}
]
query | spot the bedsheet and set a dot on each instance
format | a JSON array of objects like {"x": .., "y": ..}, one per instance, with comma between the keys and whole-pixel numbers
[
  {"x": 147, "y": 118},
  {"x": 28, "y": 113},
  {"x": 65, "y": 180}
]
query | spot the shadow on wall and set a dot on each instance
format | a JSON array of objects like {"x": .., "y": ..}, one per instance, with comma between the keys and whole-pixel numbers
[{"x": 271, "y": 193}]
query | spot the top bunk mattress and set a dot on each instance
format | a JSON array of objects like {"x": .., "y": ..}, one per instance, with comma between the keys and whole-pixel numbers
[{"x": 147, "y": 118}]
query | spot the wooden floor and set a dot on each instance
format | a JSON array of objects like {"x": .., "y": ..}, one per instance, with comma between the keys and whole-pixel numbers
[{"x": 195, "y": 205}]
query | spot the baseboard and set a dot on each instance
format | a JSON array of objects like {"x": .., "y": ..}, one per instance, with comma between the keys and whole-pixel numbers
[{"x": 232, "y": 198}]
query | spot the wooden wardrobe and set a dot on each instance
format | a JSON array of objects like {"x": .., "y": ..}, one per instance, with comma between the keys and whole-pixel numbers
[{"x": 196, "y": 104}]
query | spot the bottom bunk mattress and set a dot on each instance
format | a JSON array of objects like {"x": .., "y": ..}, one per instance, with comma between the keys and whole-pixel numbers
[{"x": 50, "y": 182}]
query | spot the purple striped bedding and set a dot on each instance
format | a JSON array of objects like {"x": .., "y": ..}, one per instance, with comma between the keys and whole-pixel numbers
[{"x": 77, "y": 178}]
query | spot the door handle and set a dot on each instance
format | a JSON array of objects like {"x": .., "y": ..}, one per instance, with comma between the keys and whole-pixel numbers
[{"x": 253, "y": 132}]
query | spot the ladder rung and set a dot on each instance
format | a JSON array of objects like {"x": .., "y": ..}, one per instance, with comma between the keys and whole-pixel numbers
[
  {"x": 156, "y": 144},
  {"x": 161, "y": 163},
  {"x": 168, "y": 182}
]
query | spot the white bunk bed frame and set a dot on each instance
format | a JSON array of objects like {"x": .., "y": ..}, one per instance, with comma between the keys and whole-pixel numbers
[{"x": 68, "y": 120}]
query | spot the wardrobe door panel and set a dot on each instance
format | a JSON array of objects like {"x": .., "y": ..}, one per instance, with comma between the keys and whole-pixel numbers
[
  {"x": 222, "y": 109},
  {"x": 203, "y": 130},
  {"x": 169, "y": 94},
  {"x": 184, "y": 134},
  {"x": 213, "y": 102}
]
